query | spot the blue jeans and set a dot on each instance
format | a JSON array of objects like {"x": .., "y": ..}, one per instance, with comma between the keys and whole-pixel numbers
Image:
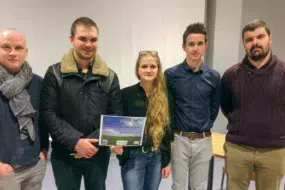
[{"x": 142, "y": 171}]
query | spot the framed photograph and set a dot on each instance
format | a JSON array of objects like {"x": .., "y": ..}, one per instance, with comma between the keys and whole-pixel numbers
[{"x": 121, "y": 130}]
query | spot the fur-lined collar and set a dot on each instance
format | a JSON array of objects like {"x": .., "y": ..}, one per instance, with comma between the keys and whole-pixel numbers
[{"x": 68, "y": 65}]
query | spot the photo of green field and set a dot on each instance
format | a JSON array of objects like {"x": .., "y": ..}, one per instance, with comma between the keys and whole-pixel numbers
[
  {"x": 121, "y": 130},
  {"x": 111, "y": 140}
]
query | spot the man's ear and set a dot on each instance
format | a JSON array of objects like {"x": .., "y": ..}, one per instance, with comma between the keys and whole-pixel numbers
[
  {"x": 183, "y": 46},
  {"x": 206, "y": 46},
  {"x": 270, "y": 39},
  {"x": 71, "y": 38},
  {"x": 26, "y": 52}
]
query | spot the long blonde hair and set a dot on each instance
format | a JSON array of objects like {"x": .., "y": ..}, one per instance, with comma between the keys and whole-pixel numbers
[{"x": 157, "y": 104}]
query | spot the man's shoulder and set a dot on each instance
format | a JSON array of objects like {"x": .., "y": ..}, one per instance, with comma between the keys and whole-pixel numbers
[
  {"x": 37, "y": 77},
  {"x": 112, "y": 73},
  {"x": 233, "y": 69},
  {"x": 56, "y": 65},
  {"x": 174, "y": 68},
  {"x": 36, "y": 81},
  {"x": 35, "y": 84},
  {"x": 279, "y": 61},
  {"x": 54, "y": 68},
  {"x": 213, "y": 73},
  {"x": 174, "y": 71}
]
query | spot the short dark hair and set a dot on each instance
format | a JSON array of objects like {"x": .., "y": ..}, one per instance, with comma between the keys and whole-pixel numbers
[
  {"x": 253, "y": 25},
  {"x": 196, "y": 28},
  {"x": 83, "y": 21}
]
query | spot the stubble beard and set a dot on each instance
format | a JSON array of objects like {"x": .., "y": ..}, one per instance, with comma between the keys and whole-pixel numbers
[{"x": 260, "y": 55}]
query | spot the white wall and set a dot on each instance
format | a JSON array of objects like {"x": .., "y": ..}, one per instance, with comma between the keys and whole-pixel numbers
[
  {"x": 125, "y": 28},
  {"x": 223, "y": 25}
]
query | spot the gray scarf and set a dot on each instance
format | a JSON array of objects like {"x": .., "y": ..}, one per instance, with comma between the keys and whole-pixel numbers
[{"x": 13, "y": 88}]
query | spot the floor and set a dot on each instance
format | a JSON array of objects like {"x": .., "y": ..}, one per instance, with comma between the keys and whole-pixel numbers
[{"x": 114, "y": 179}]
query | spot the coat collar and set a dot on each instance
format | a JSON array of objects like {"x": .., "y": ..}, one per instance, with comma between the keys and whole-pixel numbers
[{"x": 68, "y": 65}]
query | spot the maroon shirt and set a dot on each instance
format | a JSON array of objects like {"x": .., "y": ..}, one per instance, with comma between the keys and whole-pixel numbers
[{"x": 253, "y": 100}]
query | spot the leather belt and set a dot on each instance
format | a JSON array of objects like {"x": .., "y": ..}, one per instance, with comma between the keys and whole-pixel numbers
[{"x": 193, "y": 135}]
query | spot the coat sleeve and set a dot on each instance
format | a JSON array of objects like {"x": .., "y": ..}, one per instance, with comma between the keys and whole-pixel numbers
[
  {"x": 226, "y": 94},
  {"x": 59, "y": 129},
  {"x": 115, "y": 106},
  {"x": 42, "y": 130},
  {"x": 170, "y": 98},
  {"x": 114, "y": 103},
  {"x": 165, "y": 149}
]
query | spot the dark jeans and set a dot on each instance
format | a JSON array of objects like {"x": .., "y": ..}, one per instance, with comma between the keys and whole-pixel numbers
[
  {"x": 142, "y": 171},
  {"x": 68, "y": 171}
]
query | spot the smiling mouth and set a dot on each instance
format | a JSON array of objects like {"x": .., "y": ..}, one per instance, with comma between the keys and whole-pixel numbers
[{"x": 88, "y": 51}]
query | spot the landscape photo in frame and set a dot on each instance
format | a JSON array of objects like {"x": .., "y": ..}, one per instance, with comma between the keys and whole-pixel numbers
[{"x": 121, "y": 130}]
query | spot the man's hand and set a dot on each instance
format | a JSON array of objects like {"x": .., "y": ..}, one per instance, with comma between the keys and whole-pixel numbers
[
  {"x": 5, "y": 169},
  {"x": 117, "y": 149},
  {"x": 166, "y": 171},
  {"x": 85, "y": 149}
]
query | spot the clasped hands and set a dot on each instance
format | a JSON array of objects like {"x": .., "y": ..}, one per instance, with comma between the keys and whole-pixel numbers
[{"x": 85, "y": 148}]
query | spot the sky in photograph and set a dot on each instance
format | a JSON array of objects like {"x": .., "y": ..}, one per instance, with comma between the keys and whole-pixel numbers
[{"x": 127, "y": 126}]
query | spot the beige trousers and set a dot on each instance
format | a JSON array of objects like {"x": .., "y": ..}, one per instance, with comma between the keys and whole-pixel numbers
[
  {"x": 28, "y": 178},
  {"x": 268, "y": 165}
]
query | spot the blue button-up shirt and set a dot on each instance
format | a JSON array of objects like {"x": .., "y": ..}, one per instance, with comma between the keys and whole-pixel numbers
[{"x": 195, "y": 95}]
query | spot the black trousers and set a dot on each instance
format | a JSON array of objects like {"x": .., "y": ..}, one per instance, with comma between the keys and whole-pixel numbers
[{"x": 68, "y": 171}]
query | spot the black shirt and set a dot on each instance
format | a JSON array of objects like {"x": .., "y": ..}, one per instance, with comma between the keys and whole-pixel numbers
[{"x": 135, "y": 104}]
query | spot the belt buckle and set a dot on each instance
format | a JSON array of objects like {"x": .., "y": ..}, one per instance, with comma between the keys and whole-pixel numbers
[
  {"x": 143, "y": 151},
  {"x": 191, "y": 137}
]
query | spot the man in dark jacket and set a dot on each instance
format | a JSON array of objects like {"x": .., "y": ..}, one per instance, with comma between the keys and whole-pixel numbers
[
  {"x": 76, "y": 92},
  {"x": 253, "y": 100},
  {"x": 22, "y": 165}
]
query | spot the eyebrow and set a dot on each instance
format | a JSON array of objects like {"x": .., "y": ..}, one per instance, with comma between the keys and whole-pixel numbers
[{"x": 196, "y": 42}]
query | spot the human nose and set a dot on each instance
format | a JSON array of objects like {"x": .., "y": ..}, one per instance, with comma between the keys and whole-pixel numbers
[
  {"x": 255, "y": 41},
  {"x": 88, "y": 44},
  {"x": 13, "y": 52},
  {"x": 148, "y": 69},
  {"x": 195, "y": 47}
]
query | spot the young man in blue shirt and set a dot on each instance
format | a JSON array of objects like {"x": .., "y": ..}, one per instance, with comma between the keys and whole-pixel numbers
[{"x": 195, "y": 91}]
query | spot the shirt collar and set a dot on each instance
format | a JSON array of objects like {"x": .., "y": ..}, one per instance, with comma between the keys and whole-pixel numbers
[
  {"x": 80, "y": 69},
  {"x": 141, "y": 91},
  {"x": 188, "y": 69}
]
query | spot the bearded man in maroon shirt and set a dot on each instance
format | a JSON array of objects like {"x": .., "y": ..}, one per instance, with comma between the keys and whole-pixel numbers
[{"x": 253, "y": 101}]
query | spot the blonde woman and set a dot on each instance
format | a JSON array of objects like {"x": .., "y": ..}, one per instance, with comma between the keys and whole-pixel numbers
[{"x": 142, "y": 167}]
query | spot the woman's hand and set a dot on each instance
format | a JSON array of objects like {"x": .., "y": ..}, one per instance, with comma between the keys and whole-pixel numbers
[
  {"x": 43, "y": 154},
  {"x": 118, "y": 149},
  {"x": 5, "y": 169},
  {"x": 166, "y": 171}
]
